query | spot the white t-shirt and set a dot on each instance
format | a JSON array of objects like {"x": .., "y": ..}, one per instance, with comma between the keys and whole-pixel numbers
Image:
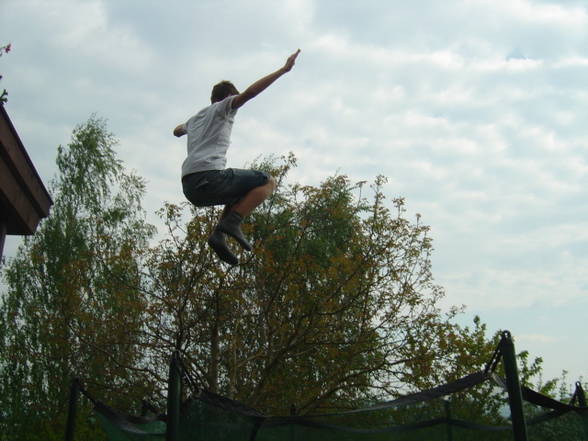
[{"x": 209, "y": 137}]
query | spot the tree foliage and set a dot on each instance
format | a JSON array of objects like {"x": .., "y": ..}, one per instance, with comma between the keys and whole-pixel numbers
[
  {"x": 63, "y": 315},
  {"x": 335, "y": 308},
  {"x": 335, "y": 297}
]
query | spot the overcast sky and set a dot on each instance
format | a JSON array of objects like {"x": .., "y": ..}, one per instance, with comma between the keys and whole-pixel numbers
[{"x": 475, "y": 110}]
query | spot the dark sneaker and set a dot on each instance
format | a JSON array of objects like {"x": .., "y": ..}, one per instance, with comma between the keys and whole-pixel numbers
[
  {"x": 231, "y": 225},
  {"x": 217, "y": 242}
]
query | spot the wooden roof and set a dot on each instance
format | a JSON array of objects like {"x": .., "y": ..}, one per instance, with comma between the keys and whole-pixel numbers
[{"x": 24, "y": 201}]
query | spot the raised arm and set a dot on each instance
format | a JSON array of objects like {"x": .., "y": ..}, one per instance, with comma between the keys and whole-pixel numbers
[{"x": 263, "y": 83}]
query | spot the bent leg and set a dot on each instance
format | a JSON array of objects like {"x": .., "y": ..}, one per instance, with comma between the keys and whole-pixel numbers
[
  {"x": 230, "y": 222},
  {"x": 254, "y": 198}
]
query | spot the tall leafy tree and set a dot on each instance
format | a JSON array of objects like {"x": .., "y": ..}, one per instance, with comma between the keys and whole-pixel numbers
[
  {"x": 323, "y": 314},
  {"x": 71, "y": 307},
  {"x": 335, "y": 308}
]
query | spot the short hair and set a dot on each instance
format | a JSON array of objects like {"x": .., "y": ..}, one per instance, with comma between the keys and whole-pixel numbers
[{"x": 222, "y": 90}]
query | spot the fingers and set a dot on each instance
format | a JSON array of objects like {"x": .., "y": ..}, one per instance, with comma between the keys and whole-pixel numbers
[{"x": 291, "y": 59}]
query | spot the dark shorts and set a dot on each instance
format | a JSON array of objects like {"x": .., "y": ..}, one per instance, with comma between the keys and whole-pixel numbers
[{"x": 221, "y": 187}]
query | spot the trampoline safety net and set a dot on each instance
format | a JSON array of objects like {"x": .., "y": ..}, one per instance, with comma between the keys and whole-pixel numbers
[
  {"x": 436, "y": 414},
  {"x": 456, "y": 411}
]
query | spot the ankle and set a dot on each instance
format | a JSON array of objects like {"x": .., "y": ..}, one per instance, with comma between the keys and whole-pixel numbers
[{"x": 237, "y": 215}]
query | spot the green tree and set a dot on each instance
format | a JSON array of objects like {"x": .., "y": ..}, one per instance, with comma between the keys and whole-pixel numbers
[
  {"x": 461, "y": 350},
  {"x": 322, "y": 314},
  {"x": 71, "y": 307},
  {"x": 335, "y": 308}
]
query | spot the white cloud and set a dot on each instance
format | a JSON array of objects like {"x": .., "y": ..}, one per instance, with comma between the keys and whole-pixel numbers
[
  {"x": 536, "y": 338},
  {"x": 509, "y": 65},
  {"x": 575, "y": 61},
  {"x": 543, "y": 14},
  {"x": 84, "y": 29}
]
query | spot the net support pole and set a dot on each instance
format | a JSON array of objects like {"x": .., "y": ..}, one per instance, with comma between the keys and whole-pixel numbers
[
  {"x": 173, "y": 400},
  {"x": 74, "y": 393},
  {"x": 582, "y": 401},
  {"x": 449, "y": 425},
  {"x": 2, "y": 238},
  {"x": 515, "y": 397}
]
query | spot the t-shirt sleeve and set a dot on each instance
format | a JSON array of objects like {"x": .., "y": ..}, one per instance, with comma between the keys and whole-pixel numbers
[{"x": 225, "y": 107}]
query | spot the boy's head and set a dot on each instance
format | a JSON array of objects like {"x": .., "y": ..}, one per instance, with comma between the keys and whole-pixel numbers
[{"x": 222, "y": 90}]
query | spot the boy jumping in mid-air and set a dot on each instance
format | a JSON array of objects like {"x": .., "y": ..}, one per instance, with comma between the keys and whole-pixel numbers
[{"x": 206, "y": 181}]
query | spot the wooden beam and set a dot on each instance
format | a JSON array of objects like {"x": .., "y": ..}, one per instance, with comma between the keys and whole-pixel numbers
[{"x": 24, "y": 201}]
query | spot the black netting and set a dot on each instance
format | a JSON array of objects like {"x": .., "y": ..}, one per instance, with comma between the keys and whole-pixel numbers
[
  {"x": 437, "y": 414},
  {"x": 457, "y": 411}
]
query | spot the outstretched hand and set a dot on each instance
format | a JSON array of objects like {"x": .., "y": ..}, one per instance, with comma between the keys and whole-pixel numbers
[
  {"x": 290, "y": 61},
  {"x": 263, "y": 83}
]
